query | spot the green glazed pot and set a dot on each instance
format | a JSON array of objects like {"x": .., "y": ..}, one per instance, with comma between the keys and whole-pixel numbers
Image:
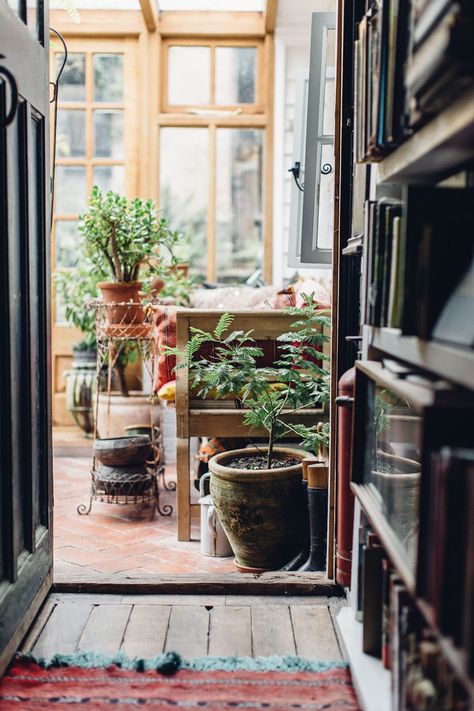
[{"x": 260, "y": 511}]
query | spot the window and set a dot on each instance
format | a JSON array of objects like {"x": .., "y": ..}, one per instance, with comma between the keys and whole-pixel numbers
[
  {"x": 213, "y": 155},
  {"x": 312, "y": 212},
  {"x": 92, "y": 144}
]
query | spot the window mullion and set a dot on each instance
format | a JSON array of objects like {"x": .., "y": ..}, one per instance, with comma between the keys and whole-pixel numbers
[
  {"x": 213, "y": 74},
  {"x": 211, "y": 219}
]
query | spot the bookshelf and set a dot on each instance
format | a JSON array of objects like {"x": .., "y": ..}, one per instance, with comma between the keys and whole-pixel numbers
[{"x": 412, "y": 445}]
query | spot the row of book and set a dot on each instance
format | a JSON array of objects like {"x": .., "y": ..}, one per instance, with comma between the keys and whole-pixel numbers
[
  {"x": 445, "y": 576},
  {"x": 410, "y": 61},
  {"x": 395, "y": 632},
  {"x": 418, "y": 253}
]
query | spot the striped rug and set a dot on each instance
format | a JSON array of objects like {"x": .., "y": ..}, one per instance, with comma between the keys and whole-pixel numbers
[{"x": 168, "y": 682}]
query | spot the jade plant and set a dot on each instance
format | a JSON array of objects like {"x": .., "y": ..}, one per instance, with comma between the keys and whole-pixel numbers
[
  {"x": 125, "y": 239},
  {"x": 297, "y": 379}
]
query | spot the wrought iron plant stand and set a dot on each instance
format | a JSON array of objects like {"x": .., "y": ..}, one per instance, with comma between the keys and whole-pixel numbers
[{"x": 117, "y": 325}]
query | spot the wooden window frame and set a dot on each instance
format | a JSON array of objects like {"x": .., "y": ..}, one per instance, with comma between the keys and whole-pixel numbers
[
  {"x": 181, "y": 117},
  {"x": 260, "y": 78}
]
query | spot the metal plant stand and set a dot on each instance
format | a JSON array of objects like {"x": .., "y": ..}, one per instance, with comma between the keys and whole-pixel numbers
[{"x": 131, "y": 486}]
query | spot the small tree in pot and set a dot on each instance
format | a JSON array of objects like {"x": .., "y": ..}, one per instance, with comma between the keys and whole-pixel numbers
[
  {"x": 257, "y": 491},
  {"x": 123, "y": 239}
]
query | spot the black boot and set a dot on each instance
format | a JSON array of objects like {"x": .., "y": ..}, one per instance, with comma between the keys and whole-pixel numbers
[
  {"x": 318, "y": 515},
  {"x": 302, "y": 555}
]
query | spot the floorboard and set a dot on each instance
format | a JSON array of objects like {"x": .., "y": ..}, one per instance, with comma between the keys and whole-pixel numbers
[
  {"x": 105, "y": 629},
  {"x": 188, "y": 631},
  {"x": 272, "y": 632},
  {"x": 63, "y": 630},
  {"x": 145, "y": 635},
  {"x": 192, "y": 625},
  {"x": 230, "y": 632},
  {"x": 314, "y": 633}
]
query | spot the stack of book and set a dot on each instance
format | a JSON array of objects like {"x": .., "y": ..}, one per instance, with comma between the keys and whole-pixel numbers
[
  {"x": 445, "y": 576},
  {"x": 410, "y": 62},
  {"x": 379, "y": 55},
  {"x": 395, "y": 632},
  {"x": 440, "y": 62},
  {"x": 418, "y": 250}
]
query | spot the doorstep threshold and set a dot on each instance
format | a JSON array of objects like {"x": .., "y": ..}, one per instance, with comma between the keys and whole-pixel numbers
[{"x": 274, "y": 583}]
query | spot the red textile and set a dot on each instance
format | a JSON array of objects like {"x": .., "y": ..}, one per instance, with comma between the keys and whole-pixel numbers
[{"x": 27, "y": 686}]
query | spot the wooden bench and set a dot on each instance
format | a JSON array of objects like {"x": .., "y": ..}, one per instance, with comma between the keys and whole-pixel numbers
[{"x": 198, "y": 418}]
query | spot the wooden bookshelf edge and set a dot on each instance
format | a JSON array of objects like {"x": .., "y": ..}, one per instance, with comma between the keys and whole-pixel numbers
[
  {"x": 389, "y": 542},
  {"x": 436, "y": 150},
  {"x": 371, "y": 679},
  {"x": 452, "y": 362}
]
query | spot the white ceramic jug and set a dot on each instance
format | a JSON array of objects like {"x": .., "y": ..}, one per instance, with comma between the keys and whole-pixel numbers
[{"x": 214, "y": 541}]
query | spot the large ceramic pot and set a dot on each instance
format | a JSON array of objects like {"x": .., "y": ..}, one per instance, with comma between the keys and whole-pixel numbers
[
  {"x": 123, "y": 303},
  {"x": 115, "y": 413},
  {"x": 80, "y": 388},
  {"x": 260, "y": 511}
]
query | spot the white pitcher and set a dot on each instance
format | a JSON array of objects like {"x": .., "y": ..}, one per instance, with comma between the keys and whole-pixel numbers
[{"x": 214, "y": 541}]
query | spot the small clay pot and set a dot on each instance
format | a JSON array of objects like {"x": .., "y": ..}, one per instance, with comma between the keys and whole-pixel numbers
[
  {"x": 123, "y": 303},
  {"x": 123, "y": 451}
]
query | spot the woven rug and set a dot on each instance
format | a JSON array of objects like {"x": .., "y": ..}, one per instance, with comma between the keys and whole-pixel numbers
[{"x": 93, "y": 681}]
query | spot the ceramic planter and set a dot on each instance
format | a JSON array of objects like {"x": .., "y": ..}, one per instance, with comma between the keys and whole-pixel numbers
[
  {"x": 81, "y": 382},
  {"x": 116, "y": 412},
  {"x": 123, "y": 302},
  {"x": 123, "y": 451},
  {"x": 260, "y": 511}
]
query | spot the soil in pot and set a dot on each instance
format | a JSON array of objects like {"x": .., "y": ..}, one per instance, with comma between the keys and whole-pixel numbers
[
  {"x": 260, "y": 510},
  {"x": 259, "y": 461},
  {"x": 122, "y": 301}
]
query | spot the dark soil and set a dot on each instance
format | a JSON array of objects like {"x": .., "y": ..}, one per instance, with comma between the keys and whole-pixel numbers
[{"x": 259, "y": 461}]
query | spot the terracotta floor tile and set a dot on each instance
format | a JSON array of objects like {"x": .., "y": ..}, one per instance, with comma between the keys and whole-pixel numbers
[{"x": 115, "y": 540}]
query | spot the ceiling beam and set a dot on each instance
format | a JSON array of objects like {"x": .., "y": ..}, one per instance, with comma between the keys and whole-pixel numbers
[
  {"x": 150, "y": 14},
  {"x": 270, "y": 15}
]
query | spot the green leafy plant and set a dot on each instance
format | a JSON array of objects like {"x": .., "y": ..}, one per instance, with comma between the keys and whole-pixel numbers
[
  {"x": 296, "y": 380},
  {"x": 76, "y": 287},
  {"x": 123, "y": 238}
]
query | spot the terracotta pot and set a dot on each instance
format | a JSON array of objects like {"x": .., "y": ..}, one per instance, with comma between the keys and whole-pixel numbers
[
  {"x": 260, "y": 511},
  {"x": 123, "y": 302},
  {"x": 116, "y": 413}
]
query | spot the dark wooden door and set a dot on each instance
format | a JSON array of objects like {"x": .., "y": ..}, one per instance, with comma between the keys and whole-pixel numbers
[{"x": 25, "y": 439}]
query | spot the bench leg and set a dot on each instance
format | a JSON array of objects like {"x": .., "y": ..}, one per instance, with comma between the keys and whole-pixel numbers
[{"x": 183, "y": 489}]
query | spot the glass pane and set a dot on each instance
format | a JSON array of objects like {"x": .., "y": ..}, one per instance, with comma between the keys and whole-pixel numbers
[
  {"x": 32, "y": 17},
  {"x": 236, "y": 69},
  {"x": 71, "y": 138},
  {"x": 108, "y": 77},
  {"x": 72, "y": 85},
  {"x": 184, "y": 190},
  {"x": 108, "y": 134},
  {"x": 329, "y": 83},
  {"x": 392, "y": 463},
  {"x": 189, "y": 75},
  {"x": 60, "y": 310},
  {"x": 239, "y": 203},
  {"x": 325, "y": 198},
  {"x": 16, "y": 7},
  {"x": 110, "y": 177},
  {"x": 67, "y": 241},
  {"x": 70, "y": 190}
]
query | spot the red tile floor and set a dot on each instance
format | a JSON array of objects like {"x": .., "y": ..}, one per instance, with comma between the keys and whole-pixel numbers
[{"x": 118, "y": 540}]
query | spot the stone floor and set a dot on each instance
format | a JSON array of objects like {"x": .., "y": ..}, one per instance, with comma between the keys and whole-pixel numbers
[{"x": 115, "y": 539}]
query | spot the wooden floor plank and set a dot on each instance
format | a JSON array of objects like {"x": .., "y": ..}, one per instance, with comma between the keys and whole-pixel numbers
[
  {"x": 63, "y": 630},
  {"x": 188, "y": 631},
  {"x": 104, "y": 629},
  {"x": 145, "y": 635},
  {"x": 230, "y": 631},
  {"x": 91, "y": 598},
  {"x": 314, "y": 633},
  {"x": 244, "y": 600},
  {"x": 40, "y": 622},
  {"x": 204, "y": 600},
  {"x": 272, "y": 632}
]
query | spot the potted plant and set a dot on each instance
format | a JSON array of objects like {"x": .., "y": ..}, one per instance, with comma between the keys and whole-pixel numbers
[
  {"x": 257, "y": 491},
  {"x": 76, "y": 287},
  {"x": 122, "y": 238}
]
